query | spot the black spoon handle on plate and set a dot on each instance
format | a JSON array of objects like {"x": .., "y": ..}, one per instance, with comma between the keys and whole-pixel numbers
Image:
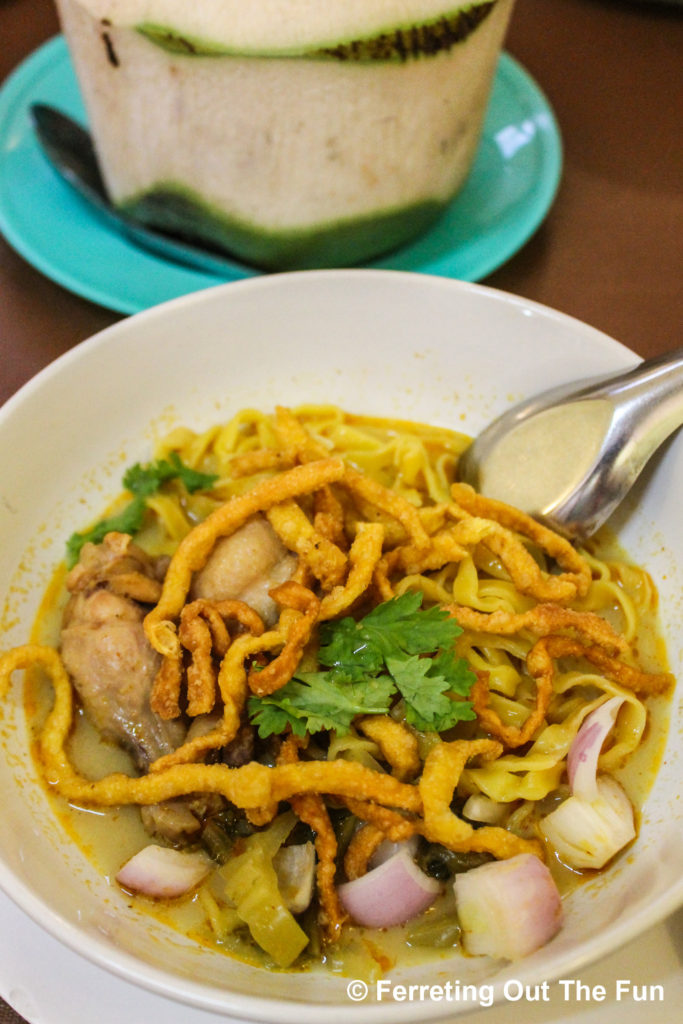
[{"x": 70, "y": 151}]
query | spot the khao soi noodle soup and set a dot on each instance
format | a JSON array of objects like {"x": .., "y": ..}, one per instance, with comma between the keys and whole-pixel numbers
[{"x": 331, "y": 706}]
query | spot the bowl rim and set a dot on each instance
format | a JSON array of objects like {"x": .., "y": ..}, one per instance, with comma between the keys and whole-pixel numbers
[
  {"x": 197, "y": 994},
  {"x": 82, "y": 349}
]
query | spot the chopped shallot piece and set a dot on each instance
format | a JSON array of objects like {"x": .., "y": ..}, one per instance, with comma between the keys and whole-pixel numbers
[
  {"x": 390, "y": 894},
  {"x": 387, "y": 849},
  {"x": 295, "y": 870},
  {"x": 508, "y": 908},
  {"x": 582, "y": 761},
  {"x": 482, "y": 808},
  {"x": 163, "y": 873},
  {"x": 596, "y": 821},
  {"x": 588, "y": 833}
]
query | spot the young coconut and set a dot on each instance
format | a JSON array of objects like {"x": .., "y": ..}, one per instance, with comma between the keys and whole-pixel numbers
[{"x": 288, "y": 133}]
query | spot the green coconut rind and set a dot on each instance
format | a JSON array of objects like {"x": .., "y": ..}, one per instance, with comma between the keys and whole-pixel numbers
[
  {"x": 394, "y": 45},
  {"x": 178, "y": 210}
]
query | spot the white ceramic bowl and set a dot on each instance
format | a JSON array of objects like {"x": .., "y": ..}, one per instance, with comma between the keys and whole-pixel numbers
[{"x": 384, "y": 343}]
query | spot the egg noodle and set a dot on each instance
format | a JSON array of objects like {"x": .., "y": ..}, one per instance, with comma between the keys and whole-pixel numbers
[{"x": 371, "y": 512}]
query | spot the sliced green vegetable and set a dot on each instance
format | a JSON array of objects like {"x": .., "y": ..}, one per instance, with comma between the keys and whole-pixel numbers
[
  {"x": 436, "y": 933},
  {"x": 251, "y": 885}
]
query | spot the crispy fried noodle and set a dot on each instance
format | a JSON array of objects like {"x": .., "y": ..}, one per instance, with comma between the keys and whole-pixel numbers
[{"x": 337, "y": 645}]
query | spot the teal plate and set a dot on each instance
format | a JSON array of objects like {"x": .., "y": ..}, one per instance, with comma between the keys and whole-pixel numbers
[{"x": 509, "y": 191}]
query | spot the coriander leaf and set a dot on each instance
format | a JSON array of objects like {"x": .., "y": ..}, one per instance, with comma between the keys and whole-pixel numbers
[
  {"x": 425, "y": 693},
  {"x": 320, "y": 701},
  {"x": 146, "y": 480},
  {"x": 192, "y": 478},
  {"x": 348, "y": 650},
  {"x": 459, "y": 711},
  {"x": 455, "y": 670},
  {"x": 401, "y": 624},
  {"x": 395, "y": 628},
  {"x": 141, "y": 481},
  {"x": 414, "y": 645},
  {"x": 129, "y": 520},
  {"x": 273, "y": 720}
]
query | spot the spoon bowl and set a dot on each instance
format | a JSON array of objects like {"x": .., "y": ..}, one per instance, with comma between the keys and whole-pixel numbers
[{"x": 570, "y": 455}]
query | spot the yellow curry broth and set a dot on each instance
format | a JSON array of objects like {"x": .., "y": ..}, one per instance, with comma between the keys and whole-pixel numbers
[{"x": 418, "y": 462}]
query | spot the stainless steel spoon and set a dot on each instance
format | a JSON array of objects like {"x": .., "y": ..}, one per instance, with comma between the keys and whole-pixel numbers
[
  {"x": 70, "y": 151},
  {"x": 569, "y": 456}
]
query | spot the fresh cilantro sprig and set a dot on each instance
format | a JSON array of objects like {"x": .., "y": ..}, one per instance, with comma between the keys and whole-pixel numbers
[
  {"x": 142, "y": 482},
  {"x": 145, "y": 480},
  {"x": 398, "y": 650},
  {"x": 316, "y": 701},
  {"x": 394, "y": 629},
  {"x": 128, "y": 520}
]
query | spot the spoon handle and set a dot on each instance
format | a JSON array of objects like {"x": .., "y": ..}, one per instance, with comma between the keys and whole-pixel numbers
[
  {"x": 664, "y": 371},
  {"x": 646, "y": 407},
  {"x": 648, "y": 403}
]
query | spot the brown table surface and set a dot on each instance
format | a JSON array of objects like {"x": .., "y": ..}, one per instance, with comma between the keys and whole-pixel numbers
[{"x": 611, "y": 249}]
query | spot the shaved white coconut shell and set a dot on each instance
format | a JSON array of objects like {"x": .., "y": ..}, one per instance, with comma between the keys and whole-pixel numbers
[
  {"x": 273, "y": 26},
  {"x": 282, "y": 153}
]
